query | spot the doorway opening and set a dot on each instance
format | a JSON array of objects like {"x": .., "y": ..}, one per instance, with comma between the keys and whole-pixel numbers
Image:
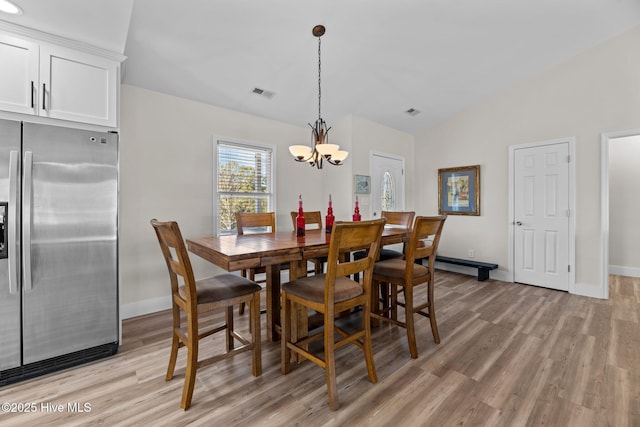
[{"x": 619, "y": 151}]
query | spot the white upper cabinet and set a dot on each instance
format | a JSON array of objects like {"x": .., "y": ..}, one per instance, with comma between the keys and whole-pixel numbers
[
  {"x": 18, "y": 74},
  {"x": 77, "y": 86},
  {"x": 58, "y": 82}
]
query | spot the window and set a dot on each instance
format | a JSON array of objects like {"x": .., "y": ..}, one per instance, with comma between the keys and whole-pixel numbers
[
  {"x": 244, "y": 182},
  {"x": 388, "y": 202}
]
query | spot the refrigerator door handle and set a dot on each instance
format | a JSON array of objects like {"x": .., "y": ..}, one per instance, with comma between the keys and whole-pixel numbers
[
  {"x": 11, "y": 221},
  {"x": 26, "y": 220}
]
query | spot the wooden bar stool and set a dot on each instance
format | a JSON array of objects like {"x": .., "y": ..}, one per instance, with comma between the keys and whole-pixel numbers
[
  {"x": 399, "y": 219},
  {"x": 404, "y": 274},
  {"x": 333, "y": 293},
  {"x": 191, "y": 297}
]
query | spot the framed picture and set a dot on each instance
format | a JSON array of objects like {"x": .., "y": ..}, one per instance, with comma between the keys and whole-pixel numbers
[
  {"x": 459, "y": 190},
  {"x": 362, "y": 184}
]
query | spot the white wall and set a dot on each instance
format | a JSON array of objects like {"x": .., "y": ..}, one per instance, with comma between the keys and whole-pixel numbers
[
  {"x": 624, "y": 205},
  {"x": 361, "y": 137},
  {"x": 597, "y": 91},
  {"x": 371, "y": 137},
  {"x": 166, "y": 152}
]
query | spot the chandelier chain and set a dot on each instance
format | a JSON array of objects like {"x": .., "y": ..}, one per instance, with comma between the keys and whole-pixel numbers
[{"x": 319, "y": 81}]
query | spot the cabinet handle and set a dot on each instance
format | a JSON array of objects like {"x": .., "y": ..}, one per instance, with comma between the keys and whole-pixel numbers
[
  {"x": 33, "y": 92},
  {"x": 44, "y": 95}
]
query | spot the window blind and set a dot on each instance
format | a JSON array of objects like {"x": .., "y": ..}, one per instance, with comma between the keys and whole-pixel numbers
[{"x": 244, "y": 182}]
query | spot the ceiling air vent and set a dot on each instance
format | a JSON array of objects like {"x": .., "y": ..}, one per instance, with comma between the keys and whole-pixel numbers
[
  {"x": 262, "y": 92},
  {"x": 412, "y": 112}
]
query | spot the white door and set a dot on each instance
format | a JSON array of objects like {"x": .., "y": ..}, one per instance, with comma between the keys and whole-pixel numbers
[
  {"x": 541, "y": 215},
  {"x": 387, "y": 184}
]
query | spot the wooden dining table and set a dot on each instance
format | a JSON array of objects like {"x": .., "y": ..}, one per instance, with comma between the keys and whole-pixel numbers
[{"x": 271, "y": 250}]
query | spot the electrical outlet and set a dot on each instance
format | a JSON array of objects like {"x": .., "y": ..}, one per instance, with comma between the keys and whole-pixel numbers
[{"x": 471, "y": 253}]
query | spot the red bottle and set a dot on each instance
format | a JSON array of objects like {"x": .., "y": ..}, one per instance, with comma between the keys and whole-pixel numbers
[
  {"x": 329, "y": 218},
  {"x": 300, "y": 218},
  {"x": 356, "y": 212}
]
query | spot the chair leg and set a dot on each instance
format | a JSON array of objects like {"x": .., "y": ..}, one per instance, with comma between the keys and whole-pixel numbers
[
  {"x": 285, "y": 335},
  {"x": 432, "y": 314},
  {"x": 243, "y": 273},
  {"x": 394, "y": 302},
  {"x": 330, "y": 361},
  {"x": 408, "y": 314},
  {"x": 175, "y": 342},
  {"x": 384, "y": 296},
  {"x": 374, "y": 304},
  {"x": 229, "y": 330},
  {"x": 368, "y": 347},
  {"x": 192, "y": 363}
]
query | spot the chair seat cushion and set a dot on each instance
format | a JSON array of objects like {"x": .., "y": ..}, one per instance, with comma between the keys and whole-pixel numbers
[
  {"x": 222, "y": 287},
  {"x": 383, "y": 255},
  {"x": 312, "y": 288},
  {"x": 395, "y": 268}
]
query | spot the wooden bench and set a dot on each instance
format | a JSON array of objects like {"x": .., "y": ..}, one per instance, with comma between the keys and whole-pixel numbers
[{"x": 483, "y": 267}]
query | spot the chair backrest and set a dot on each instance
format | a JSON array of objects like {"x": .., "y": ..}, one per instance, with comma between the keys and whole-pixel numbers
[
  {"x": 177, "y": 259},
  {"x": 401, "y": 219},
  {"x": 255, "y": 222},
  {"x": 310, "y": 218},
  {"x": 424, "y": 240},
  {"x": 349, "y": 237}
]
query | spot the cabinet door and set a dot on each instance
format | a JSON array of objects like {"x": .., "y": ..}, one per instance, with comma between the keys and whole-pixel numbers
[
  {"x": 18, "y": 75},
  {"x": 78, "y": 86}
]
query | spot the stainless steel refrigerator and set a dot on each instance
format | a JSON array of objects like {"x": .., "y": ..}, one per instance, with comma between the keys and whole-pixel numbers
[{"x": 58, "y": 248}]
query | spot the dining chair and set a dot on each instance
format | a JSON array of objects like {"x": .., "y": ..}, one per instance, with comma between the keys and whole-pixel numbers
[
  {"x": 403, "y": 275},
  {"x": 332, "y": 293},
  {"x": 310, "y": 218},
  {"x": 254, "y": 222},
  {"x": 313, "y": 218},
  {"x": 394, "y": 219},
  {"x": 193, "y": 297}
]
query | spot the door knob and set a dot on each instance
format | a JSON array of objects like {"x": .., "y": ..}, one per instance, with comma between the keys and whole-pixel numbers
[{"x": 518, "y": 223}]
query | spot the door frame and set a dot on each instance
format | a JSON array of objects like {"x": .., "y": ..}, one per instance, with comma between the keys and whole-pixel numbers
[
  {"x": 605, "y": 139},
  {"x": 572, "y": 205},
  {"x": 403, "y": 177}
]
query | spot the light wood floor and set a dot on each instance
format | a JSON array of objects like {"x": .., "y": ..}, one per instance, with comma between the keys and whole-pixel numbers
[{"x": 511, "y": 355}]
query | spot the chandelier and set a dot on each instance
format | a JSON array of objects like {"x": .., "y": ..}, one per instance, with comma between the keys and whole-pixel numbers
[{"x": 320, "y": 150}]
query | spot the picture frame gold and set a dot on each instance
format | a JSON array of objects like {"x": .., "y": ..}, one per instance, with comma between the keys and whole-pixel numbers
[{"x": 459, "y": 190}]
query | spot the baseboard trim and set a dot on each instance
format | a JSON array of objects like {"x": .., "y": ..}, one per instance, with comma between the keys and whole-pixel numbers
[
  {"x": 624, "y": 271},
  {"x": 588, "y": 291},
  {"x": 146, "y": 306}
]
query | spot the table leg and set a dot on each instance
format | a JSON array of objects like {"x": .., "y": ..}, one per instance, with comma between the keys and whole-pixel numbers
[
  {"x": 273, "y": 301},
  {"x": 300, "y": 327},
  {"x": 300, "y": 313}
]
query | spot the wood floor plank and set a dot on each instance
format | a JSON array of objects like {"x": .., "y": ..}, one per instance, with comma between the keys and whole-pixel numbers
[{"x": 510, "y": 355}]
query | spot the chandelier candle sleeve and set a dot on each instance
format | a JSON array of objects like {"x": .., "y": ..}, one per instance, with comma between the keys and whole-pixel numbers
[
  {"x": 356, "y": 212},
  {"x": 300, "y": 225},
  {"x": 329, "y": 218}
]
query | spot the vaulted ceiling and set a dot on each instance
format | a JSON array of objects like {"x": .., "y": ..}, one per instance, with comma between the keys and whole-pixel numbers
[{"x": 379, "y": 57}]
